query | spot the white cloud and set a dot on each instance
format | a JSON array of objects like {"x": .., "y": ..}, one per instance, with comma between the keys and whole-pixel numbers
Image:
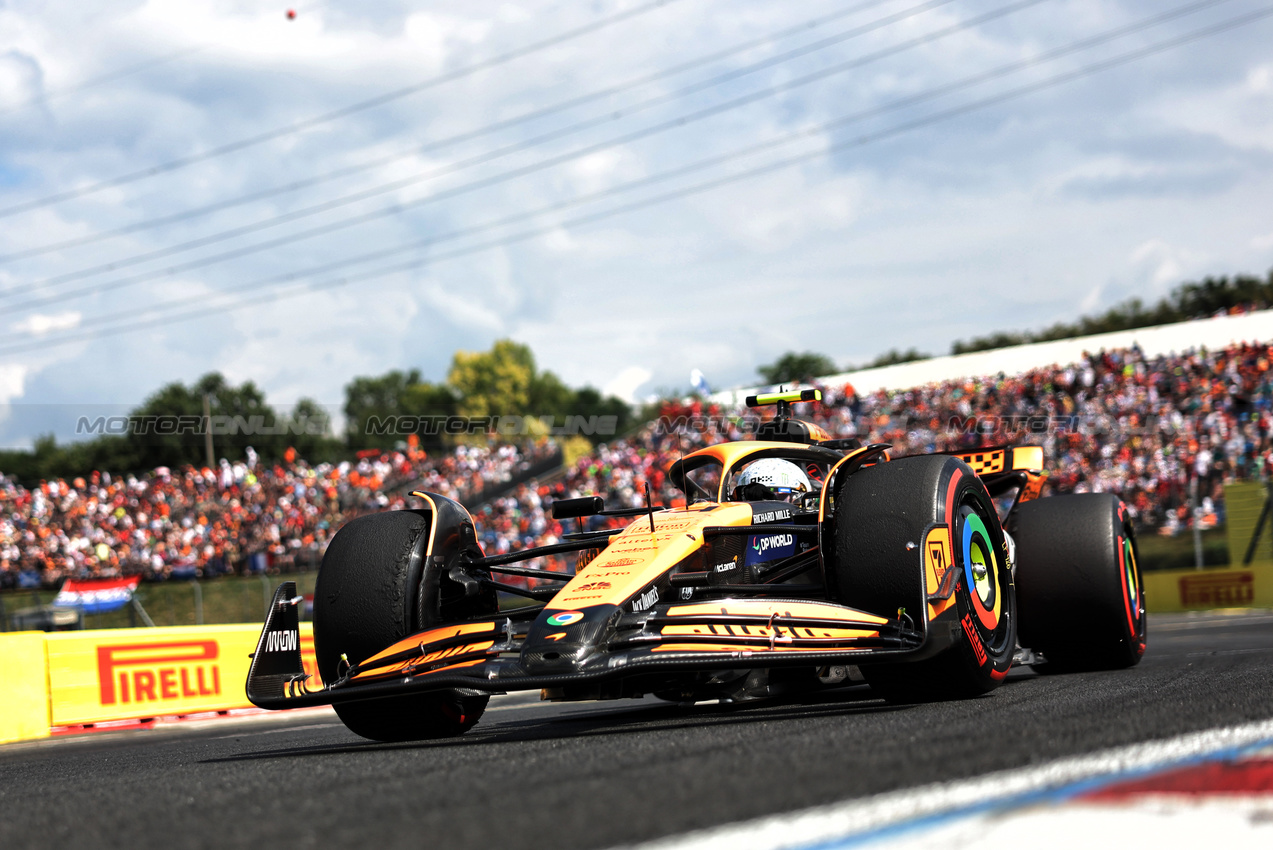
[
  {"x": 560, "y": 240},
  {"x": 1260, "y": 80},
  {"x": 1012, "y": 217},
  {"x": 625, "y": 384},
  {"x": 464, "y": 312},
  {"x": 39, "y": 324},
  {"x": 1161, "y": 264},
  {"x": 12, "y": 383}
]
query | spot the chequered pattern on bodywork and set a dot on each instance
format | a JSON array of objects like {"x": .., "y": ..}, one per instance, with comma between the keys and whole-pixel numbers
[{"x": 985, "y": 463}]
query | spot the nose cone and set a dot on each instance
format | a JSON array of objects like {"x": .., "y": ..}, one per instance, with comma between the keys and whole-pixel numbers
[{"x": 562, "y": 640}]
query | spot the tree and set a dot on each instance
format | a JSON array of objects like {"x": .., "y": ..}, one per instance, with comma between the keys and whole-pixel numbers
[
  {"x": 493, "y": 383},
  {"x": 793, "y": 368},
  {"x": 167, "y": 429},
  {"x": 894, "y": 356},
  {"x": 434, "y": 404},
  {"x": 312, "y": 436},
  {"x": 589, "y": 403},
  {"x": 1186, "y": 301},
  {"x": 373, "y": 406},
  {"x": 375, "y": 398},
  {"x": 549, "y": 396}
]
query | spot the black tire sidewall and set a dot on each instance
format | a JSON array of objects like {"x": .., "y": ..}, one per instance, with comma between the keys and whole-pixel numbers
[
  {"x": 1071, "y": 577},
  {"x": 371, "y": 592},
  {"x": 362, "y": 601}
]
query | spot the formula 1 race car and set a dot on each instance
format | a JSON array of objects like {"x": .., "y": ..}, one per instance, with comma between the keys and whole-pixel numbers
[{"x": 797, "y": 562}]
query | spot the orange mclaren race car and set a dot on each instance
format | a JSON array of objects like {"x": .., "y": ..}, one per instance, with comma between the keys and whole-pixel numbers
[{"x": 798, "y": 562}]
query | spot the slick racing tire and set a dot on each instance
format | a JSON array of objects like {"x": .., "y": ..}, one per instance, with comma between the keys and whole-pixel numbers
[
  {"x": 1079, "y": 583},
  {"x": 371, "y": 593},
  {"x": 882, "y": 514}
]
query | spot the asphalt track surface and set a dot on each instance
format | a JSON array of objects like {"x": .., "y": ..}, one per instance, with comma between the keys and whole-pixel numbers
[{"x": 602, "y": 774}]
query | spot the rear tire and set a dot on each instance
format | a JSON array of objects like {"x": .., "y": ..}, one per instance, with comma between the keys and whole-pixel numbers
[
  {"x": 1079, "y": 583},
  {"x": 881, "y": 516},
  {"x": 372, "y": 591}
]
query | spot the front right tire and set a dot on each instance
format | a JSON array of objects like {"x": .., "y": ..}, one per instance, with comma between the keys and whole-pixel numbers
[{"x": 1079, "y": 583}]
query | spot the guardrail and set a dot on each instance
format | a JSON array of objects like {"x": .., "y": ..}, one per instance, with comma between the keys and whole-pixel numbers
[{"x": 57, "y": 679}]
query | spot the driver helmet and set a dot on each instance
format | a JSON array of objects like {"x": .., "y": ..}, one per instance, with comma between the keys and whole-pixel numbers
[{"x": 781, "y": 478}]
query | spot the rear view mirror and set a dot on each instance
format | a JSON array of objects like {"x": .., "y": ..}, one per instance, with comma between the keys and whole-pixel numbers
[{"x": 585, "y": 506}]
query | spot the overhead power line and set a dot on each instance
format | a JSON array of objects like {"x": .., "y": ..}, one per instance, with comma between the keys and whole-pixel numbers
[
  {"x": 503, "y": 177},
  {"x": 172, "y": 312},
  {"x": 485, "y": 130},
  {"x": 654, "y": 179},
  {"x": 343, "y": 112}
]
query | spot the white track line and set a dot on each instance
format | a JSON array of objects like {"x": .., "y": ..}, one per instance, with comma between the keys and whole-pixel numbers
[{"x": 871, "y": 818}]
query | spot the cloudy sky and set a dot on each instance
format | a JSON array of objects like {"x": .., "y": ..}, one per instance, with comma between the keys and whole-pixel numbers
[{"x": 634, "y": 189}]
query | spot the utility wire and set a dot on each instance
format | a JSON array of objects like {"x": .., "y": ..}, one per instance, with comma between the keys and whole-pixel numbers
[
  {"x": 469, "y": 135},
  {"x": 132, "y": 324},
  {"x": 503, "y": 177},
  {"x": 649, "y": 180},
  {"x": 343, "y": 112}
]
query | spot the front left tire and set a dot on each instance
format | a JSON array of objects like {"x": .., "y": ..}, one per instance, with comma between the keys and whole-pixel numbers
[
  {"x": 373, "y": 590},
  {"x": 876, "y": 565}
]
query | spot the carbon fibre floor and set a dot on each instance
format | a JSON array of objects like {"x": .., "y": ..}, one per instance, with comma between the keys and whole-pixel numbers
[{"x": 595, "y": 775}]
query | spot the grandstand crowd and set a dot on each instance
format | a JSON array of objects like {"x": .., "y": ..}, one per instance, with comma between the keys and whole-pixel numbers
[
  {"x": 246, "y": 516},
  {"x": 1149, "y": 429}
]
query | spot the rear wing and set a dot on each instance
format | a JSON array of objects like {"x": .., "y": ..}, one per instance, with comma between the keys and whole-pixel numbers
[
  {"x": 1003, "y": 467},
  {"x": 992, "y": 461}
]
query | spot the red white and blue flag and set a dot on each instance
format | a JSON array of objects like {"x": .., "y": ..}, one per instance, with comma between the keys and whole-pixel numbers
[{"x": 97, "y": 596}]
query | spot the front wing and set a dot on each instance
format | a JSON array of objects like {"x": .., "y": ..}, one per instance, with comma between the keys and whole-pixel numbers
[{"x": 486, "y": 655}]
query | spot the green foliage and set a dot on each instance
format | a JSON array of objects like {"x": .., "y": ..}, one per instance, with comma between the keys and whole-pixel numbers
[
  {"x": 48, "y": 460},
  {"x": 244, "y": 406},
  {"x": 589, "y": 402},
  {"x": 317, "y": 443},
  {"x": 503, "y": 381},
  {"x": 894, "y": 356},
  {"x": 1187, "y": 301},
  {"x": 549, "y": 395},
  {"x": 794, "y": 367},
  {"x": 240, "y": 418},
  {"x": 493, "y": 383},
  {"x": 369, "y": 400},
  {"x": 499, "y": 382},
  {"x": 1156, "y": 552}
]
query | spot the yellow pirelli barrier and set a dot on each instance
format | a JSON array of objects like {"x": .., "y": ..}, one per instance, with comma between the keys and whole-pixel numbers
[
  {"x": 1215, "y": 587},
  {"x": 24, "y": 687},
  {"x": 78, "y": 678},
  {"x": 1247, "y": 582}
]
